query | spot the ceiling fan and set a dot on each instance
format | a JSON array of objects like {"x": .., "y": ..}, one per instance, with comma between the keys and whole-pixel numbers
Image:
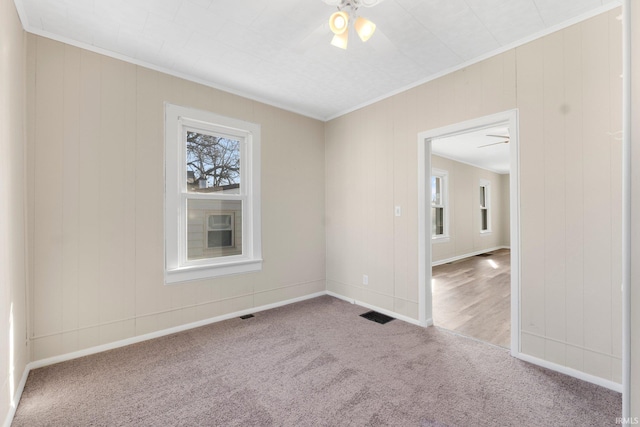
[
  {"x": 338, "y": 25},
  {"x": 366, "y": 3},
  {"x": 346, "y": 16},
  {"x": 505, "y": 137}
]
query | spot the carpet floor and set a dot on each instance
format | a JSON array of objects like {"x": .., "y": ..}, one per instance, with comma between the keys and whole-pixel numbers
[{"x": 313, "y": 363}]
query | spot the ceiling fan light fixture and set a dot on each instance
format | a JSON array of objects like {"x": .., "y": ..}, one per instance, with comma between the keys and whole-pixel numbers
[
  {"x": 339, "y": 22},
  {"x": 340, "y": 40},
  {"x": 364, "y": 28}
]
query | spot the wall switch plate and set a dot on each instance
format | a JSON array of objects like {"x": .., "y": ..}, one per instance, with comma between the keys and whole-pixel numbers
[
  {"x": 365, "y": 279},
  {"x": 398, "y": 211}
]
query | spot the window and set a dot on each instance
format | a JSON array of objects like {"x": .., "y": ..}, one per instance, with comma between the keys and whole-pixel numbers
[
  {"x": 485, "y": 206},
  {"x": 220, "y": 230},
  {"x": 439, "y": 200},
  {"x": 212, "y": 205}
]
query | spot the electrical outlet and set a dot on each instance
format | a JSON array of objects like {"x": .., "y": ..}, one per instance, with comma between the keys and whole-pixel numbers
[
  {"x": 365, "y": 279},
  {"x": 398, "y": 211}
]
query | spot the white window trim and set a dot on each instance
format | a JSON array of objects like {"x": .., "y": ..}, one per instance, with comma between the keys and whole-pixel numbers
[
  {"x": 177, "y": 268},
  {"x": 487, "y": 196},
  {"x": 445, "y": 203}
]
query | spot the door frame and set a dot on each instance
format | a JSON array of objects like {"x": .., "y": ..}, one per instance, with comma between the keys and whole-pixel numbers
[{"x": 509, "y": 119}]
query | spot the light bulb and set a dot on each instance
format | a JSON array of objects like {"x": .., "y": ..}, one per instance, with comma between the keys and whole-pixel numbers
[
  {"x": 340, "y": 40},
  {"x": 339, "y": 22},
  {"x": 364, "y": 28}
]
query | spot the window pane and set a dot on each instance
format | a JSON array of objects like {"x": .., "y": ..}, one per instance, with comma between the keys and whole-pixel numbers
[
  {"x": 436, "y": 190},
  {"x": 437, "y": 218},
  {"x": 213, "y": 164},
  {"x": 482, "y": 197},
  {"x": 214, "y": 228},
  {"x": 485, "y": 223}
]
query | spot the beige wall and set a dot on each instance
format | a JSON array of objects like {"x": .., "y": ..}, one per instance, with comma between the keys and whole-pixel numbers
[
  {"x": 465, "y": 237},
  {"x": 567, "y": 88},
  {"x": 95, "y": 202},
  {"x": 13, "y": 316}
]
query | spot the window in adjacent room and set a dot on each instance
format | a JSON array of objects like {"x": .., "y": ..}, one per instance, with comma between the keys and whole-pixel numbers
[
  {"x": 439, "y": 209},
  {"x": 485, "y": 206},
  {"x": 212, "y": 206}
]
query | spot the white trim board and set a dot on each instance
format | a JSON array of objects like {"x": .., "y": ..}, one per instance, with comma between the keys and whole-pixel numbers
[
  {"x": 152, "y": 335},
  {"x": 140, "y": 338},
  {"x": 425, "y": 300},
  {"x": 611, "y": 385},
  {"x": 629, "y": 233},
  {"x": 468, "y": 255},
  {"x": 145, "y": 337},
  {"x": 602, "y": 9},
  {"x": 134, "y": 340},
  {"x": 13, "y": 406},
  {"x": 37, "y": 31},
  {"x": 167, "y": 71},
  {"x": 380, "y": 310}
]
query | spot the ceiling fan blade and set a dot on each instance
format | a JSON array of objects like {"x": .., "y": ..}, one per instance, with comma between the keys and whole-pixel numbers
[
  {"x": 370, "y": 3},
  {"x": 500, "y": 136},
  {"x": 365, "y": 3},
  {"x": 494, "y": 143}
]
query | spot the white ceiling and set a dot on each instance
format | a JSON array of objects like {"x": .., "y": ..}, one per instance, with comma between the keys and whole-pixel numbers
[
  {"x": 278, "y": 51},
  {"x": 477, "y": 148}
]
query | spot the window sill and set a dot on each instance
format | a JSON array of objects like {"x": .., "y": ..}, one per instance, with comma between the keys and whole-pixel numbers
[
  {"x": 199, "y": 272},
  {"x": 440, "y": 239},
  {"x": 485, "y": 231}
]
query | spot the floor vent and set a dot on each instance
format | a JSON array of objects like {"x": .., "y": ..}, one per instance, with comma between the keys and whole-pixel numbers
[
  {"x": 487, "y": 254},
  {"x": 247, "y": 316},
  {"x": 374, "y": 316}
]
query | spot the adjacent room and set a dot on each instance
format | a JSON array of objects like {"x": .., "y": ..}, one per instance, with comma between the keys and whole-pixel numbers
[
  {"x": 470, "y": 216},
  {"x": 254, "y": 213}
]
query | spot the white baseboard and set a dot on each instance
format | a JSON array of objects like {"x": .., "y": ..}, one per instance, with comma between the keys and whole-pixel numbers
[
  {"x": 571, "y": 372},
  {"x": 13, "y": 406},
  {"x": 133, "y": 340},
  {"x": 140, "y": 338},
  {"x": 470, "y": 254},
  {"x": 525, "y": 357},
  {"x": 380, "y": 310}
]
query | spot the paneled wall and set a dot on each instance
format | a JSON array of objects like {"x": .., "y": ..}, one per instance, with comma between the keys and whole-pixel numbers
[
  {"x": 464, "y": 210},
  {"x": 569, "y": 95},
  {"x": 95, "y": 202},
  {"x": 13, "y": 283},
  {"x": 567, "y": 88}
]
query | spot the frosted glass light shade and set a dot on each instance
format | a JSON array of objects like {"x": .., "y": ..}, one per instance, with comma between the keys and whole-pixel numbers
[
  {"x": 340, "y": 40},
  {"x": 364, "y": 28},
  {"x": 339, "y": 22}
]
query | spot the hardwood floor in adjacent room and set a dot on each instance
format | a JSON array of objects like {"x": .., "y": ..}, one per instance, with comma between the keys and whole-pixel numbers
[{"x": 472, "y": 297}]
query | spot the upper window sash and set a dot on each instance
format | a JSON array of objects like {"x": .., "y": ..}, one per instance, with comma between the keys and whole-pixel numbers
[
  {"x": 244, "y": 139},
  {"x": 442, "y": 201}
]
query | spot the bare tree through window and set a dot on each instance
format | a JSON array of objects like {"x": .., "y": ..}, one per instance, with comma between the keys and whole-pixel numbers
[{"x": 213, "y": 162}]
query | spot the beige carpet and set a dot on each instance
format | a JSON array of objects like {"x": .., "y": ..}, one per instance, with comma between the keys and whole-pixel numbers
[{"x": 314, "y": 363}]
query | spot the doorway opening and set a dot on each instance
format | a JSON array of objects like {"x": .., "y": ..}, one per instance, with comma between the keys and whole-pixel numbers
[
  {"x": 470, "y": 247},
  {"x": 469, "y": 229}
]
